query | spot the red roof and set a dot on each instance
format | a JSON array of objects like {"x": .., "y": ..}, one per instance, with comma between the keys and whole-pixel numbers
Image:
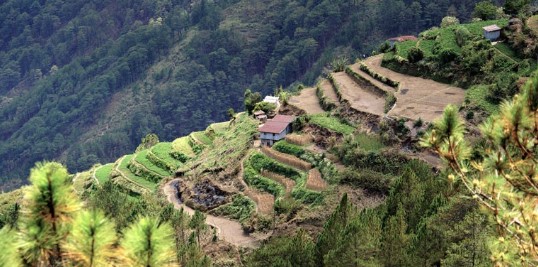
[
  {"x": 284, "y": 118},
  {"x": 403, "y": 38},
  {"x": 272, "y": 126}
]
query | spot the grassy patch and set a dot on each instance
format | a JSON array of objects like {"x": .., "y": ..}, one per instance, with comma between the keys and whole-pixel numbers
[
  {"x": 141, "y": 158},
  {"x": 288, "y": 148},
  {"x": 202, "y": 137},
  {"x": 506, "y": 50},
  {"x": 476, "y": 97},
  {"x": 162, "y": 152},
  {"x": 368, "y": 142},
  {"x": 220, "y": 126},
  {"x": 103, "y": 173},
  {"x": 427, "y": 47},
  {"x": 182, "y": 145},
  {"x": 131, "y": 176},
  {"x": 403, "y": 47},
  {"x": 331, "y": 123}
]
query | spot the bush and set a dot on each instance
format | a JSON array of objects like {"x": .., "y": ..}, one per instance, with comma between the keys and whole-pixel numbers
[
  {"x": 462, "y": 35},
  {"x": 390, "y": 100},
  {"x": 259, "y": 162},
  {"x": 385, "y": 47},
  {"x": 371, "y": 181},
  {"x": 285, "y": 147},
  {"x": 449, "y": 21},
  {"x": 415, "y": 54},
  {"x": 485, "y": 10},
  {"x": 447, "y": 55},
  {"x": 254, "y": 179}
]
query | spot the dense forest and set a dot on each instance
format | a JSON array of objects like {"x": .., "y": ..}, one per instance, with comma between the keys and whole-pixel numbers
[{"x": 83, "y": 82}]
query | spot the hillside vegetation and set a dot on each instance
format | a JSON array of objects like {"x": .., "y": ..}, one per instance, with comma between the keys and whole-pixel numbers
[{"x": 83, "y": 82}]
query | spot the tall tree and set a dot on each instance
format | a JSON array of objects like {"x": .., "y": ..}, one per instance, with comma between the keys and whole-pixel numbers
[
  {"x": 92, "y": 240},
  {"x": 49, "y": 206},
  {"x": 197, "y": 223},
  {"x": 148, "y": 244}
]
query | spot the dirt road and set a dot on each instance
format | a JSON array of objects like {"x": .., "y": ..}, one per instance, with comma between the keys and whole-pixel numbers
[{"x": 228, "y": 230}]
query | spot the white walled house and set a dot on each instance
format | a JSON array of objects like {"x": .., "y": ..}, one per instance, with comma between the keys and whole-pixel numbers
[
  {"x": 492, "y": 32},
  {"x": 275, "y": 129}
]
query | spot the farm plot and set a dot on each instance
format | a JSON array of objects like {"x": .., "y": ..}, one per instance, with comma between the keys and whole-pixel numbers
[
  {"x": 418, "y": 97},
  {"x": 359, "y": 98},
  {"x": 314, "y": 181},
  {"x": 307, "y": 100},
  {"x": 329, "y": 92}
]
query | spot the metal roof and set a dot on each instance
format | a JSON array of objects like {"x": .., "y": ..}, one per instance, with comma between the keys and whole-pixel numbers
[
  {"x": 492, "y": 28},
  {"x": 284, "y": 118},
  {"x": 272, "y": 126}
]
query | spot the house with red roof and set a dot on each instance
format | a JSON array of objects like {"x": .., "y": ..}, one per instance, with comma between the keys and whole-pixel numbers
[{"x": 275, "y": 129}]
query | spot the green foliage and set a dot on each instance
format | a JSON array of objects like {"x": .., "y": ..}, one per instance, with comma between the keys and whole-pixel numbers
[
  {"x": 261, "y": 162},
  {"x": 92, "y": 240},
  {"x": 485, "y": 10},
  {"x": 241, "y": 208},
  {"x": 148, "y": 141},
  {"x": 265, "y": 106},
  {"x": 285, "y": 147},
  {"x": 390, "y": 101},
  {"x": 125, "y": 169},
  {"x": 254, "y": 179},
  {"x": 297, "y": 250},
  {"x": 250, "y": 100},
  {"x": 462, "y": 35},
  {"x": 331, "y": 123},
  {"x": 9, "y": 255},
  {"x": 449, "y": 21},
  {"x": 514, "y": 7},
  {"x": 339, "y": 64},
  {"x": 330, "y": 237},
  {"x": 402, "y": 49},
  {"x": 371, "y": 181},
  {"x": 148, "y": 243},
  {"x": 102, "y": 173},
  {"x": 415, "y": 54},
  {"x": 50, "y": 205}
]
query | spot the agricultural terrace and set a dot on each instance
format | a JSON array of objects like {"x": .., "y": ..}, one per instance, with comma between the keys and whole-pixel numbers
[
  {"x": 331, "y": 123},
  {"x": 102, "y": 173},
  {"x": 444, "y": 38},
  {"x": 417, "y": 98},
  {"x": 307, "y": 100}
]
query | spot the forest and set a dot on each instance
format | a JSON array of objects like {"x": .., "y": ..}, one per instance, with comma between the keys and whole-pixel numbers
[{"x": 82, "y": 82}]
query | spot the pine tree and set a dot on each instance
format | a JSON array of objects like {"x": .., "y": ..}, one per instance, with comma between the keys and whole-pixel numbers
[
  {"x": 333, "y": 229},
  {"x": 502, "y": 174},
  {"x": 360, "y": 242},
  {"x": 9, "y": 255},
  {"x": 49, "y": 206},
  {"x": 148, "y": 244},
  {"x": 395, "y": 241},
  {"x": 197, "y": 223},
  {"x": 91, "y": 241}
]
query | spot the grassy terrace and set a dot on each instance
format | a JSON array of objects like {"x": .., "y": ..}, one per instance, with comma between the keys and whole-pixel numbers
[
  {"x": 446, "y": 38},
  {"x": 331, "y": 123},
  {"x": 142, "y": 159},
  {"x": 202, "y": 137},
  {"x": 220, "y": 126},
  {"x": 182, "y": 145},
  {"x": 103, "y": 173},
  {"x": 132, "y": 177},
  {"x": 162, "y": 151}
]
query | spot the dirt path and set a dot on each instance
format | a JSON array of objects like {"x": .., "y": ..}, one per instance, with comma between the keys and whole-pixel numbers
[
  {"x": 307, "y": 100},
  {"x": 329, "y": 92},
  {"x": 228, "y": 230},
  {"x": 418, "y": 97},
  {"x": 264, "y": 201},
  {"x": 358, "y": 97}
]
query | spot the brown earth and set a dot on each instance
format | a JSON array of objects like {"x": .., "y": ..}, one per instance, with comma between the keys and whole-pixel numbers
[
  {"x": 418, "y": 97},
  {"x": 359, "y": 98},
  {"x": 314, "y": 181},
  {"x": 329, "y": 92},
  {"x": 307, "y": 100}
]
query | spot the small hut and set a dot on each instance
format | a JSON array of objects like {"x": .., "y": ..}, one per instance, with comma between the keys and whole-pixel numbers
[{"x": 492, "y": 32}]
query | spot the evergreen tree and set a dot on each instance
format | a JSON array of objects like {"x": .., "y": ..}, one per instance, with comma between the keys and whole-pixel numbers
[
  {"x": 197, "y": 223},
  {"x": 148, "y": 244},
  {"x": 50, "y": 204},
  {"x": 92, "y": 240},
  {"x": 9, "y": 255},
  {"x": 297, "y": 250},
  {"x": 395, "y": 241},
  {"x": 333, "y": 229}
]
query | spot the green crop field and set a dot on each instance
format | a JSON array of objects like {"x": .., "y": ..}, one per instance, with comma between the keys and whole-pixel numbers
[
  {"x": 427, "y": 47},
  {"x": 103, "y": 173},
  {"x": 162, "y": 151},
  {"x": 136, "y": 179},
  {"x": 331, "y": 123},
  {"x": 220, "y": 126},
  {"x": 182, "y": 145},
  {"x": 202, "y": 137},
  {"x": 403, "y": 47},
  {"x": 143, "y": 160}
]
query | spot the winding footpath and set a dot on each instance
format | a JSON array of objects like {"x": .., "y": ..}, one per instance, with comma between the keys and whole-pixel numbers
[{"x": 228, "y": 230}]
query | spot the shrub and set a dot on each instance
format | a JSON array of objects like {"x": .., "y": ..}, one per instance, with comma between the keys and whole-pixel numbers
[
  {"x": 338, "y": 64},
  {"x": 415, "y": 54},
  {"x": 260, "y": 161},
  {"x": 288, "y": 148},
  {"x": 378, "y": 77},
  {"x": 390, "y": 100},
  {"x": 385, "y": 47},
  {"x": 485, "y": 10},
  {"x": 462, "y": 35},
  {"x": 449, "y": 21},
  {"x": 447, "y": 55},
  {"x": 369, "y": 180}
]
